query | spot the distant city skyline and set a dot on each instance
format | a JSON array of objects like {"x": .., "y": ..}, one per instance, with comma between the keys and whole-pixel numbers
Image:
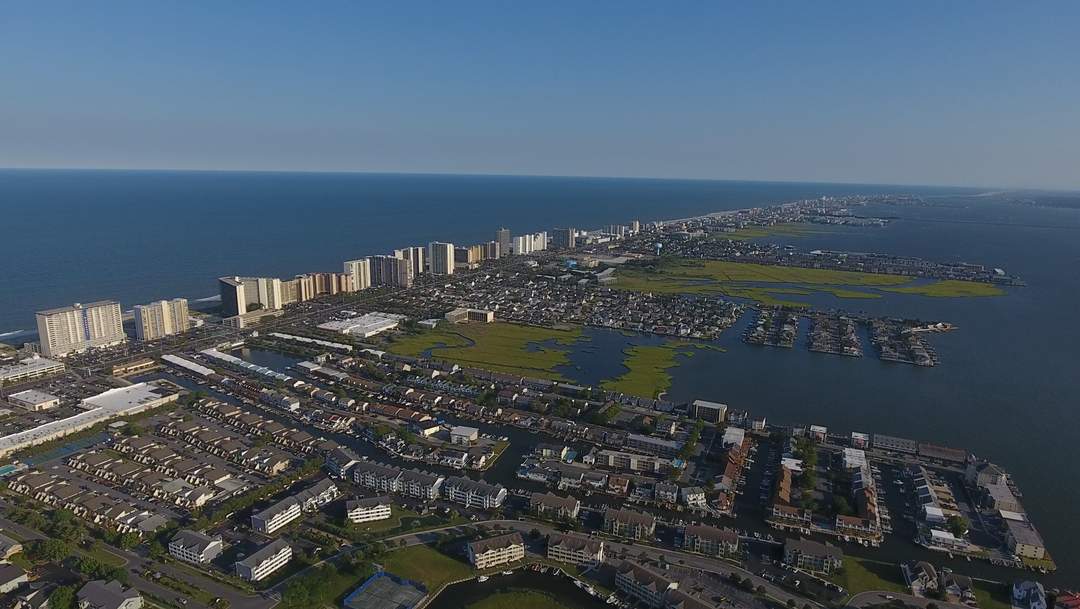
[{"x": 961, "y": 94}]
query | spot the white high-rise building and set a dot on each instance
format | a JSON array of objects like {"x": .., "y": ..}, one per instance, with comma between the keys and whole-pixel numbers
[
  {"x": 80, "y": 327},
  {"x": 523, "y": 244},
  {"x": 416, "y": 257},
  {"x": 441, "y": 257},
  {"x": 360, "y": 271},
  {"x": 161, "y": 318}
]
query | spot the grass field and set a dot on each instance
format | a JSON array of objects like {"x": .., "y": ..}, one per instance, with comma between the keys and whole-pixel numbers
[
  {"x": 752, "y": 281},
  {"x": 518, "y": 599},
  {"x": 501, "y": 347},
  {"x": 427, "y": 566},
  {"x": 950, "y": 288},
  {"x": 861, "y": 575},
  {"x": 648, "y": 371}
]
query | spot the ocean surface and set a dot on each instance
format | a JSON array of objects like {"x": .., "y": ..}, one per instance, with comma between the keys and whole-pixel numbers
[{"x": 1006, "y": 386}]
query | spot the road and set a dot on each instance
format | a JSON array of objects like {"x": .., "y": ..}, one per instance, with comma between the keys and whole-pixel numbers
[
  {"x": 137, "y": 565},
  {"x": 612, "y": 548}
]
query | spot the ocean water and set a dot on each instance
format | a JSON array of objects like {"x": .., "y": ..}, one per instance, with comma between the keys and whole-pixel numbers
[
  {"x": 80, "y": 236},
  {"x": 1005, "y": 387}
]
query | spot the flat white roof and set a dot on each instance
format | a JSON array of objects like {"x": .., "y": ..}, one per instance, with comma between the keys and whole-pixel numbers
[
  {"x": 124, "y": 398},
  {"x": 33, "y": 396},
  {"x": 461, "y": 429}
]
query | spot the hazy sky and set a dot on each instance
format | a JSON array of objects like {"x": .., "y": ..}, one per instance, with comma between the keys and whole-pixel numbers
[{"x": 967, "y": 93}]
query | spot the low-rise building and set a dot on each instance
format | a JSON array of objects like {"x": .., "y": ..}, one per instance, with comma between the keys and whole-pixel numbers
[
  {"x": 650, "y": 588},
  {"x": 285, "y": 511},
  {"x": 34, "y": 400},
  {"x": 812, "y": 556},
  {"x": 265, "y": 561},
  {"x": 495, "y": 551},
  {"x": 9, "y": 547},
  {"x": 630, "y": 524},
  {"x": 1023, "y": 540},
  {"x": 368, "y": 509},
  {"x": 551, "y": 505},
  {"x": 575, "y": 549},
  {"x": 460, "y": 434},
  {"x": 710, "y": 541},
  {"x": 11, "y": 577},
  {"x": 195, "y": 547},
  {"x": 473, "y": 493},
  {"x": 99, "y": 594}
]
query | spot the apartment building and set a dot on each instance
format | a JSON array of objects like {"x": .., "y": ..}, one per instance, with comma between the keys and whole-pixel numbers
[
  {"x": 289, "y": 509},
  {"x": 473, "y": 493},
  {"x": 813, "y": 556},
  {"x": 575, "y": 549},
  {"x": 161, "y": 318},
  {"x": 629, "y": 524},
  {"x": 550, "y": 505},
  {"x": 265, "y": 561},
  {"x": 195, "y": 547},
  {"x": 710, "y": 541},
  {"x": 495, "y": 551},
  {"x": 649, "y": 588},
  {"x": 441, "y": 258},
  {"x": 360, "y": 272},
  {"x": 80, "y": 327},
  {"x": 368, "y": 509}
]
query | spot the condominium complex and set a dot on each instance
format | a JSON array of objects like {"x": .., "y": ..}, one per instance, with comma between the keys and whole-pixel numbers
[
  {"x": 368, "y": 510},
  {"x": 285, "y": 511},
  {"x": 650, "y": 588},
  {"x": 242, "y": 294},
  {"x": 554, "y": 506},
  {"x": 390, "y": 271},
  {"x": 575, "y": 549},
  {"x": 265, "y": 561},
  {"x": 495, "y": 551},
  {"x": 441, "y": 258},
  {"x": 416, "y": 257},
  {"x": 195, "y": 547},
  {"x": 80, "y": 327},
  {"x": 564, "y": 238},
  {"x": 473, "y": 493},
  {"x": 502, "y": 237},
  {"x": 162, "y": 318},
  {"x": 710, "y": 541},
  {"x": 360, "y": 271},
  {"x": 628, "y": 523}
]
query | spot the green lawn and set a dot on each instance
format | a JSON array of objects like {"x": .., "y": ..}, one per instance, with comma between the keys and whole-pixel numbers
[
  {"x": 427, "y": 566},
  {"x": 863, "y": 575},
  {"x": 501, "y": 347},
  {"x": 518, "y": 599}
]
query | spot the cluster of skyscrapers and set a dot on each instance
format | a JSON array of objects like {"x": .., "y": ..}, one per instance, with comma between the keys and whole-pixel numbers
[
  {"x": 100, "y": 324},
  {"x": 80, "y": 327}
]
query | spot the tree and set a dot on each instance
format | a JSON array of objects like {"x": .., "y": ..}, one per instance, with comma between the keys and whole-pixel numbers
[
  {"x": 958, "y": 525},
  {"x": 841, "y": 505},
  {"x": 63, "y": 597},
  {"x": 49, "y": 550},
  {"x": 791, "y": 603}
]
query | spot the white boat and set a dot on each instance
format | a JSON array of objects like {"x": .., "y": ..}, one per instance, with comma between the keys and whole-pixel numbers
[
  {"x": 507, "y": 572},
  {"x": 482, "y": 578}
]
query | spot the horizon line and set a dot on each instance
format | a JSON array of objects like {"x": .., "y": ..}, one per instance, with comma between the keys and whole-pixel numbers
[{"x": 536, "y": 175}]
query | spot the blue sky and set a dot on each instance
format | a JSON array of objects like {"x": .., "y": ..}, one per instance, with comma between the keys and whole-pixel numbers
[{"x": 966, "y": 93}]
